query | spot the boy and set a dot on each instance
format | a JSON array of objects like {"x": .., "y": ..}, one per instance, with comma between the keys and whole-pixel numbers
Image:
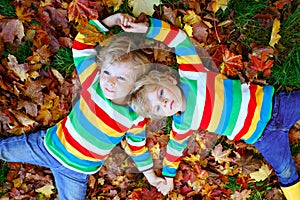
[
  {"x": 208, "y": 100},
  {"x": 78, "y": 145}
]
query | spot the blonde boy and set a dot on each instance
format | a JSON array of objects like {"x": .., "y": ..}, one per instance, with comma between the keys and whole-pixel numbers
[{"x": 208, "y": 100}]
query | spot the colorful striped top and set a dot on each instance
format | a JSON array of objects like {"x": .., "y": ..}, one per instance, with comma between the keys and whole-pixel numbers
[
  {"x": 83, "y": 140},
  {"x": 213, "y": 102}
]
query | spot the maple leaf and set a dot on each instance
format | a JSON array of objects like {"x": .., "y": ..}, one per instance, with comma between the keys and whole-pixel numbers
[
  {"x": 47, "y": 190},
  {"x": 231, "y": 63},
  {"x": 215, "y": 5},
  {"x": 24, "y": 14},
  {"x": 263, "y": 173},
  {"x": 19, "y": 70},
  {"x": 262, "y": 65},
  {"x": 169, "y": 14},
  {"x": 281, "y": 3},
  {"x": 275, "y": 37},
  {"x": 143, "y": 6},
  {"x": 191, "y": 17},
  {"x": 243, "y": 195},
  {"x": 112, "y": 3},
  {"x": 81, "y": 10},
  {"x": 11, "y": 29},
  {"x": 220, "y": 155}
]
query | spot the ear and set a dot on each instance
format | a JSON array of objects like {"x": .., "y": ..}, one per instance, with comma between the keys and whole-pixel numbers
[{"x": 172, "y": 79}]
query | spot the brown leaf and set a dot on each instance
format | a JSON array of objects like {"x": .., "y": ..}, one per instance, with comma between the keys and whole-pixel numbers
[
  {"x": 11, "y": 31},
  {"x": 24, "y": 14},
  {"x": 19, "y": 70},
  {"x": 220, "y": 155}
]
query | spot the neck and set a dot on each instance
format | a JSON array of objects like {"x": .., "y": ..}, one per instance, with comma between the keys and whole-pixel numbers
[{"x": 121, "y": 101}]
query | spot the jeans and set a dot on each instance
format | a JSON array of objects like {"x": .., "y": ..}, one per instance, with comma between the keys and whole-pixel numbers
[
  {"x": 71, "y": 185},
  {"x": 274, "y": 143}
]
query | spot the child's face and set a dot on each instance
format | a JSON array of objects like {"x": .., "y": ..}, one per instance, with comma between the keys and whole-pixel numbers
[
  {"x": 166, "y": 98},
  {"x": 116, "y": 81}
]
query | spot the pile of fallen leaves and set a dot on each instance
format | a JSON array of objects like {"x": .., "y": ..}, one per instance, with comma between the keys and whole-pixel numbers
[{"x": 34, "y": 95}]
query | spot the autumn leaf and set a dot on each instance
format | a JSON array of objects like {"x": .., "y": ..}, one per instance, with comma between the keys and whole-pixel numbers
[
  {"x": 143, "y": 6},
  {"x": 215, "y": 5},
  {"x": 191, "y": 17},
  {"x": 220, "y": 155},
  {"x": 47, "y": 190},
  {"x": 113, "y": 3},
  {"x": 12, "y": 30},
  {"x": 229, "y": 63},
  {"x": 19, "y": 70},
  {"x": 82, "y": 10},
  {"x": 263, "y": 173},
  {"x": 262, "y": 65},
  {"x": 24, "y": 14},
  {"x": 275, "y": 37},
  {"x": 243, "y": 195}
]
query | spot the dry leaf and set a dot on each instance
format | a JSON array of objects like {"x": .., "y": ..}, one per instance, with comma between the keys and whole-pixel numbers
[
  {"x": 47, "y": 190},
  {"x": 145, "y": 6},
  {"x": 263, "y": 173},
  {"x": 275, "y": 37}
]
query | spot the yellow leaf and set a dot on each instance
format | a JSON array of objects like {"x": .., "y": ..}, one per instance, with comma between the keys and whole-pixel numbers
[
  {"x": 188, "y": 29},
  {"x": 191, "y": 17},
  {"x": 46, "y": 190},
  {"x": 275, "y": 37},
  {"x": 261, "y": 174},
  {"x": 217, "y": 4},
  {"x": 155, "y": 151},
  {"x": 145, "y": 6}
]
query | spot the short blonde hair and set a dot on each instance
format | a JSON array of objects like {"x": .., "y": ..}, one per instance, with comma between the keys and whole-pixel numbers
[
  {"x": 123, "y": 49},
  {"x": 139, "y": 100}
]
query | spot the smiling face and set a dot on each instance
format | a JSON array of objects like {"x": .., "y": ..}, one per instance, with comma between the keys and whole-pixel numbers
[
  {"x": 166, "y": 98},
  {"x": 117, "y": 81}
]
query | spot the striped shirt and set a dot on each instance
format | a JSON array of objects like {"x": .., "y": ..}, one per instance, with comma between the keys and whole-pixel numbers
[
  {"x": 83, "y": 140},
  {"x": 213, "y": 102}
]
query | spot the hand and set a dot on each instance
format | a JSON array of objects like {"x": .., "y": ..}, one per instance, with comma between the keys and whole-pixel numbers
[
  {"x": 136, "y": 27},
  {"x": 152, "y": 178},
  {"x": 119, "y": 19},
  {"x": 166, "y": 186}
]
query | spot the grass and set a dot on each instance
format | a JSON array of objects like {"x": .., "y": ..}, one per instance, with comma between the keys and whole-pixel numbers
[
  {"x": 7, "y": 9},
  {"x": 63, "y": 61},
  {"x": 22, "y": 52}
]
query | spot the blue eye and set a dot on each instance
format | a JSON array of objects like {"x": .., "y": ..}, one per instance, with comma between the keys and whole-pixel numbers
[
  {"x": 161, "y": 93},
  {"x": 105, "y": 72}
]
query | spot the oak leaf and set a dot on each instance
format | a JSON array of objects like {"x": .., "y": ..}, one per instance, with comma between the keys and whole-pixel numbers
[
  {"x": 275, "y": 37},
  {"x": 143, "y": 6}
]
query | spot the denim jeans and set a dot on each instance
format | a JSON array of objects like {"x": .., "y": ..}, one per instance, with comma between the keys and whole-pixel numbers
[
  {"x": 71, "y": 185},
  {"x": 274, "y": 143}
]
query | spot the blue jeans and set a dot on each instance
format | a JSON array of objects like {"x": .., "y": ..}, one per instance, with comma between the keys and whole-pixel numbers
[
  {"x": 274, "y": 143},
  {"x": 71, "y": 185}
]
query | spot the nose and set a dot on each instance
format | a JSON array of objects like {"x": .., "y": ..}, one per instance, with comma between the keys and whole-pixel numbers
[
  {"x": 112, "y": 81},
  {"x": 164, "y": 101}
]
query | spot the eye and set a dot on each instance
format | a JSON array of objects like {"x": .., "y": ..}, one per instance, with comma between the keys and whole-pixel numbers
[
  {"x": 157, "y": 109},
  {"x": 161, "y": 93},
  {"x": 121, "y": 78},
  {"x": 105, "y": 72}
]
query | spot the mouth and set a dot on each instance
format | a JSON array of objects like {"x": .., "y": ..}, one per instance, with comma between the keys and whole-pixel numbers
[
  {"x": 108, "y": 90},
  {"x": 171, "y": 105}
]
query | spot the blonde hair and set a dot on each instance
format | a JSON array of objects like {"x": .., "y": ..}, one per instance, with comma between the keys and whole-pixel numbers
[
  {"x": 139, "y": 101},
  {"x": 123, "y": 49}
]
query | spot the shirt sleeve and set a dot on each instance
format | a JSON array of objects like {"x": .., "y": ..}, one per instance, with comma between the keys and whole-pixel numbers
[
  {"x": 136, "y": 146},
  {"x": 84, "y": 53},
  {"x": 190, "y": 68}
]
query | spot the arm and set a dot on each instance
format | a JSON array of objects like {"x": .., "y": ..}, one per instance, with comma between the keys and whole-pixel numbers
[{"x": 84, "y": 54}]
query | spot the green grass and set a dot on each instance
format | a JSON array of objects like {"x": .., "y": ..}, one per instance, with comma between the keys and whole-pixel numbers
[
  {"x": 7, "y": 9},
  {"x": 22, "y": 52},
  {"x": 63, "y": 61}
]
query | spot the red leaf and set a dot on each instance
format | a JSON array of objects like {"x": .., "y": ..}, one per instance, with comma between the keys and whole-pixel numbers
[
  {"x": 81, "y": 10},
  {"x": 262, "y": 65}
]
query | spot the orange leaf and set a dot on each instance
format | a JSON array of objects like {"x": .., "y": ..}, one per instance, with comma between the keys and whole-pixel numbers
[
  {"x": 275, "y": 37},
  {"x": 262, "y": 65},
  {"x": 82, "y": 10},
  {"x": 231, "y": 63},
  {"x": 24, "y": 14}
]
